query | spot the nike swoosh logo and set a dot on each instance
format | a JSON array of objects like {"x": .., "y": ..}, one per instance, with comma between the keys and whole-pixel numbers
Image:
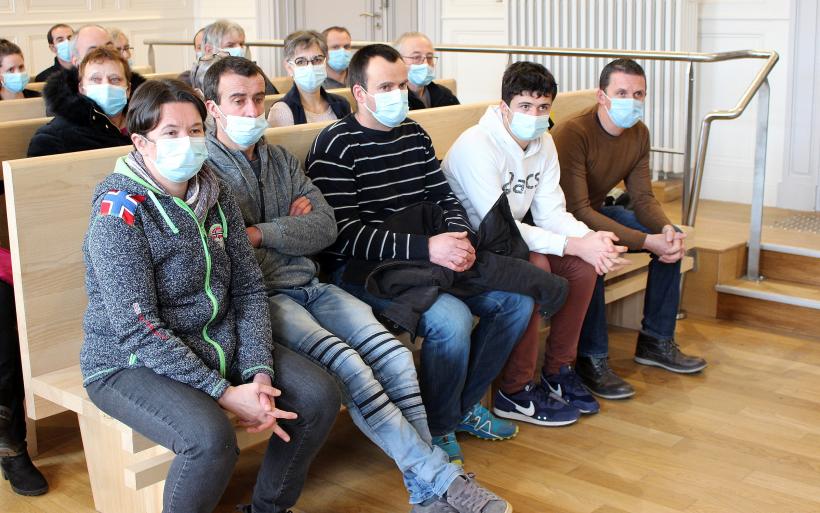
[
  {"x": 556, "y": 391},
  {"x": 529, "y": 412}
]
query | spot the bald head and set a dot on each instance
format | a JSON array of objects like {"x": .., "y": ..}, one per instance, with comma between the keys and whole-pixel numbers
[
  {"x": 413, "y": 42},
  {"x": 86, "y": 39}
]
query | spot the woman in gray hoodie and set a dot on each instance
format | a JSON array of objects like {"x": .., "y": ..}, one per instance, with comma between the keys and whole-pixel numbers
[{"x": 177, "y": 326}]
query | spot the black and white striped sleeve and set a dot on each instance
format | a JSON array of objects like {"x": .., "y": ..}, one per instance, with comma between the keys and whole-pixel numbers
[{"x": 437, "y": 190}]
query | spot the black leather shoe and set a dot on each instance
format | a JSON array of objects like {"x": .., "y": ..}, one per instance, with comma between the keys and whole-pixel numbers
[
  {"x": 23, "y": 476},
  {"x": 667, "y": 355},
  {"x": 601, "y": 380}
]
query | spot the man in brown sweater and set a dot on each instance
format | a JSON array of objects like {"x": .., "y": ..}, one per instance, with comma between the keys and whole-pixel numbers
[{"x": 596, "y": 150}]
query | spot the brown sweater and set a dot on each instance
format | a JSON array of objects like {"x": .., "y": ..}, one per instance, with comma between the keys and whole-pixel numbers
[{"x": 593, "y": 161}]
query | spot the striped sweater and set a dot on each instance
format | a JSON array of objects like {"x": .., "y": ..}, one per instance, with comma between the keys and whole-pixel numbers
[{"x": 367, "y": 175}]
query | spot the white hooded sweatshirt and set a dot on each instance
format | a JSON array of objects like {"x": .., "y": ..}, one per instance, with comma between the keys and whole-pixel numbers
[{"x": 486, "y": 161}]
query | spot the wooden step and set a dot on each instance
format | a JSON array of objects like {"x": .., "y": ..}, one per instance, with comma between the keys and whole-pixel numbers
[
  {"x": 667, "y": 190},
  {"x": 771, "y": 304},
  {"x": 790, "y": 264}
]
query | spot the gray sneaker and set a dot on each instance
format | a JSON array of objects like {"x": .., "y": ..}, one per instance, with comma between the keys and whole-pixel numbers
[
  {"x": 439, "y": 506},
  {"x": 467, "y": 496}
]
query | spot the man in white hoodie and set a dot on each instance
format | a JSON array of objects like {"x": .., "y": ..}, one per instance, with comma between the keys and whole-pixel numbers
[{"x": 510, "y": 152}]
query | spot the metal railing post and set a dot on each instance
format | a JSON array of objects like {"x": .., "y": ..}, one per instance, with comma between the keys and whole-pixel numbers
[
  {"x": 151, "y": 58},
  {"x": 687, "y": 149},
  {"x": 758, "y": 187}
]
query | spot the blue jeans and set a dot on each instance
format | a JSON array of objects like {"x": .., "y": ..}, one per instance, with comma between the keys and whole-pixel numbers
[
  {"x": 661, "y": 299},
  {"x": 377, "y": 375},
  {"x": 458, "y": 362},
  {"x": 192, "y": 425}
]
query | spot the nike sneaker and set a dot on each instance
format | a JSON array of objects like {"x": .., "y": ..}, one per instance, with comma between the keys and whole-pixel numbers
[
  {"x": 534, "y": 405},
  {"x": 482, "y": 424},
  {"x": 568, "y": 387}
]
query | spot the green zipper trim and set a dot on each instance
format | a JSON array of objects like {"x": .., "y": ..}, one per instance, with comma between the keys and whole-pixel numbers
[
  {"x": 224, "y": 221},
  {"x": 208, "y": 291},
  {"x": 99, "y": 373},
  {"x": 132, "y": 360},
  {"x": 162, "y": 212},
  {"x": 256, "y": 368}
]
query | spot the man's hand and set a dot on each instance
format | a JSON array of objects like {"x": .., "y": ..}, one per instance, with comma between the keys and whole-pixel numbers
[
  {"x": 254, "y": 405},
  {"x": 599, "y": 250},
  {"x": 452, "y": 250},
  {"x": 300, "y": 206},
  {"x": 668, "y": 245},
  {"x": 254, "y": 236}
]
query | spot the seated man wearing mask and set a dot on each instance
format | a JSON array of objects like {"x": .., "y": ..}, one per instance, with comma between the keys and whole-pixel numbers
[
  {"x": 122, "y": 45},
  {"x": 597, "y": 149},
  {"x": 417, "y": 51},
  {"x": 287, "y": 221},
  {"x": 228, "y": 38},
  {"x": 510, "y": 152},
  {"x": 89, "y": 107},
  {"x": 338, "y": 56},
  {"x": 373, "y": 164},
  {"x": 59, "y": 42},
  {"x": 187, "y": 75},
  {"x": 307, "y": 101}
]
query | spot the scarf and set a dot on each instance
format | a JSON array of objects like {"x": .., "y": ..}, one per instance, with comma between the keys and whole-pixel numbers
[{"x": 203, "y": 188}]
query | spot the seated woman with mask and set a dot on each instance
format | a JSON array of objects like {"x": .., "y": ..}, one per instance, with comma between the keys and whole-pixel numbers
[
  {"x": 177, "y": 327},
  {"x": 307, "y": 101},
  {"x": 88, "y": 114},
  {"x": 13, "y": 75}
]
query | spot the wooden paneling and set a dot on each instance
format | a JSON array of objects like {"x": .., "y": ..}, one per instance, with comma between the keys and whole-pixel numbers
[{"x": 796, "y": 268}]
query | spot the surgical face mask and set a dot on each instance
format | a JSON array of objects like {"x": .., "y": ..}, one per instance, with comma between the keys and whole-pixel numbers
[
  {"x": 131, "y": 63},
  {"x": 625, "y": 112},
  {"x": 199, "y": 54},
  {"x": 236, "y": 51},
  {"x": 339, "y": 59},
  {"x": 421, "y": 74},
  {"x": 180, "y": 158},
  {"x": 64, "y": 50},
  {"x": 15, "y": 82},
  {"x": 244, "y": 131},
  {"x": 111, "y": 99},
  {"x": 309, "y": 78},
  {"x": 391, "y": 107},
  {"x": 527, "y": 127}
]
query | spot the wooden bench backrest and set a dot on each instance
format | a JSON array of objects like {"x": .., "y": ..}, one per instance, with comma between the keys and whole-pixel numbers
[
  {"x": 12, "y": 110},
  {"x": 568, "y": 104},
  {"x": 16, "y": 136}
]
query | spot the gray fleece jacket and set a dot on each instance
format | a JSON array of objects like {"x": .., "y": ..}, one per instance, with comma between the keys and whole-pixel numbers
[
  {"x": 287, "y": 241},
  {"x": 165, "y": 291}
]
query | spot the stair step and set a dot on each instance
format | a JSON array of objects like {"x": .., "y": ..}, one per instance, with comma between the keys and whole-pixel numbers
[
  {"x": 799, "y": 265},
  {"x": 667, "y": 190},
  {"x": 771, "y": 304}
]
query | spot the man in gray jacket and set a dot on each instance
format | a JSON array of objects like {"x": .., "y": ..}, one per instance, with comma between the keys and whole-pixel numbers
[{"x": 287, "y": 221}]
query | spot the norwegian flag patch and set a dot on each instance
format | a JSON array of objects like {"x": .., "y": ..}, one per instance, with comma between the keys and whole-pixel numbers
[{"x": 121, "y": 204}]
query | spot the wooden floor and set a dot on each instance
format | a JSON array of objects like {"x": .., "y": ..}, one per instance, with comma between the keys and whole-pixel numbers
[{"x": 744, "y": 436}]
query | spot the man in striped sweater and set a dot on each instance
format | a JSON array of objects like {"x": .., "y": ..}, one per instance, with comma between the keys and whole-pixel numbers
[{"x": 374, "y": 163}]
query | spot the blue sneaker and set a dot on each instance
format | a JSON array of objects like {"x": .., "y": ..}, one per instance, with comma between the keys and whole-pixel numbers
[
  {"x": 482, "y": 424},
  {"x": 536, "y": 406},
  {"x": 567, "y": 386},
  {"x": 449, "y": 444}
]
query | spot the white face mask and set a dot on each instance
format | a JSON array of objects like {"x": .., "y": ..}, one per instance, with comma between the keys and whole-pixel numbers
[
  {"x": 309, "y": 78},
  {"x": 244, "y": 131},
  {"x": 391, "y": 107},
  {"x": 180, "y": 158},
  {"x": 236, "y": 51}
]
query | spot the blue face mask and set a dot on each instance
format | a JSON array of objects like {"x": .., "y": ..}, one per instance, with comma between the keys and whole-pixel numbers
[
  {"x": 64, "y": 50},
  {"x": 421, "y": 74},
  {"x": 527, "y": 127},
  {"x": 111, "y": 99},
  {"x": 180, "y": 158},
  {"x": 236, "y": 51},
  {"x": 15, "y": 82},
  {"x": 244, "y": 131},
  {"x": 625, "y": 112},
  {"x": 309, "y": 78},
  {"x": 199, "y": 54},
  {"x": 391, "y": 107},
  {"x": 339, "y": 59}
]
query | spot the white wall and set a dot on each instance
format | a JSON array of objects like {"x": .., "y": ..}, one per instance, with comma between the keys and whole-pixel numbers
[
  {"x": 736, "y": 25},
  {"x": 26, "y": 23}
]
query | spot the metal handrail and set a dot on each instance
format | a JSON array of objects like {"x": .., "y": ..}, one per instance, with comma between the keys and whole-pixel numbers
[{"x": 693, "y": 179}]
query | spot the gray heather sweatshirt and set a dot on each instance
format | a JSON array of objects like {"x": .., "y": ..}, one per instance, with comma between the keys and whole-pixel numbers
[
  {"x": 166, "y": 291},
  {"x": 287, "y": 241}
]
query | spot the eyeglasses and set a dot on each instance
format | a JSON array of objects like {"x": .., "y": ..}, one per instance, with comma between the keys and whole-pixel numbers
[
  {"x": 125, "y": 49},
  {"x": 421, "y": 59},
  {"x": 316, "y": 60}
]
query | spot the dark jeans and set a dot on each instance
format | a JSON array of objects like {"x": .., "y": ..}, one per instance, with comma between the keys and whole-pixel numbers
[
  {"x": 11, "y": 374},
  {"x": 661, "y": 299},
  {"x": 192, "y": 425},
  {"x": 458, "y": 362}
]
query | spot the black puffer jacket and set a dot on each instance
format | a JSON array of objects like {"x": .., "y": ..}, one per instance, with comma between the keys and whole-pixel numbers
[{"x": 79, "y": 124}]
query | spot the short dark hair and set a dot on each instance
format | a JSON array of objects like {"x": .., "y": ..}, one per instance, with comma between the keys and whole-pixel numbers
[
  {"x": 239, "y": 65},
  {"x": 627, "y": 66},
  {"x": 530, "y": 77},
  {"x": 8, "y": 48},
  {"x": 50, "y": 34},
  {"x": 335, "y": 28},
  {"x": 145, "y": 106},
  {"x": 357, "y": 70}
]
